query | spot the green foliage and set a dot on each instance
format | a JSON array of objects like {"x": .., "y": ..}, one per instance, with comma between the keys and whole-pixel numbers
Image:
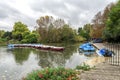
[
  {"x": 2, "y": 40},
  {"x": 59, "y": 73},
  {"x": 99, "y": 22},
  {"x": 18, "y": 30},
  {"x": 85, "y": 31},
  {"x": 30, "y": 38},
  {"x": 37, "y": 35},
  {"x": 54, "y": 31},
  {"x": 112, "y": 29},
  {"x": 79, "y": 39},
  {"x": 7, "y": 35},
  {"x": 49, "y": 30},
  {"x": 84, "y": 67},
  {"x": 53, "y": 74},
  {"x": 13, "y": 41},
  {"x": 68, "y": 34},
  {"x": 21, "y": 33},
  {"x": 1, "y": 33}
]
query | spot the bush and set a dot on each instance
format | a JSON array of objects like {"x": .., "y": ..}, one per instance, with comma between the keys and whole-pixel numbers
[
  {"x": 53, "y": 74},
  {"x": 3, "y": 39},
  {"x": 84, "y": 67}
]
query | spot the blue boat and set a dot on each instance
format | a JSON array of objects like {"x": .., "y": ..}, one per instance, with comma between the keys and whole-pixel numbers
[
  {"x": 10, "y": 46},
  {"x": 83, "y": 45},
  {"x": 88, "y": 53},
  {"x": 87, "y": 47},
  {"x": 105, "y": 52}
]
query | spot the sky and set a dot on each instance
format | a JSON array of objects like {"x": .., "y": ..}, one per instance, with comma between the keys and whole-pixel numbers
[{"x": 75, "y": 12}]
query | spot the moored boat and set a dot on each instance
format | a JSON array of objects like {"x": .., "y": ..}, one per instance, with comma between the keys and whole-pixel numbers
[
  {"x": 87, "y": 47},
  {"x": 45, "y": 47},
  {"x": 57, "y": 48},
  {"x": 105, "y": 52},
  {"x": 88, "y": 53},
  {"x": 10, "y": 46},
  {"x": 37, "y": 46}
]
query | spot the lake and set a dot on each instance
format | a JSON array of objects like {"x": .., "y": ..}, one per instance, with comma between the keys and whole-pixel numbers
[{"x": 16, "y": 63}]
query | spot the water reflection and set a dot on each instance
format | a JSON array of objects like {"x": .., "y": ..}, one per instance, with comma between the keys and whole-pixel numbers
[
  {"x": 54, "y": 59},
  {"x": 50, "y": 59},
  {"x": 20, "y": 61},
  {"x": 21, "y": 54}
]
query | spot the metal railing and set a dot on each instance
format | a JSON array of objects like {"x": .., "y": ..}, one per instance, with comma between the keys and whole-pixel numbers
[{"x": 115, "y": 47}]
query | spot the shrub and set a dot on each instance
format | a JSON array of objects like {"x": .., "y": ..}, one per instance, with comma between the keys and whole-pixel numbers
[
  {"x": 84, "y": 67},
  {"x": 53, "y": 74}
]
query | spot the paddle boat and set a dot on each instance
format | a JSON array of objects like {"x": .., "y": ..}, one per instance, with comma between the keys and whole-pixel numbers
[
  {"x": 45, "y": 47},
  {"x": 10, "y": 46},
  {"x": 37, "y": 46},
  {"x": 105, "y": 52},
  {"x": 88, "y": 53},
  {"x": 53, "y": 48},
  {"x": 87, "y": 47},
  {"x": 83, "y": 45}
]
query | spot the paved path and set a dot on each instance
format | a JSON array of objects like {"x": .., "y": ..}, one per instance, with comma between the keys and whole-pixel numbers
[{"x": 103, "y": 70}]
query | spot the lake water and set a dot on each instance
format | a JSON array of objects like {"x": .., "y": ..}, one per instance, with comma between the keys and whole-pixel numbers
[{"x": 16, "y": 63}]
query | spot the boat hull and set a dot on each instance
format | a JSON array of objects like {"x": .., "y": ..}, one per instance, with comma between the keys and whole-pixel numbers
[{"x": 57, "y": 49}]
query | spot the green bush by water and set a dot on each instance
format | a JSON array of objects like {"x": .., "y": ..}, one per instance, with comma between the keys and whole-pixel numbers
[
  {"x": 53, "y": 74},
  {"x": 84, "y": 67}
]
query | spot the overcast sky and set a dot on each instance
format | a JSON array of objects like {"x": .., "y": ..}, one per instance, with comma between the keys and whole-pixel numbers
[{"x": 75, "y": 12}]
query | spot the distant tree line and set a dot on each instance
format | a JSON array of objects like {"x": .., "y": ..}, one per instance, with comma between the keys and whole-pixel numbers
[{"x": 48, "y": 30}]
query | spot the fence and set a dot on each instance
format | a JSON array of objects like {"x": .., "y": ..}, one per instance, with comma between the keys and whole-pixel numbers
[{"x": 115, "y": 47}]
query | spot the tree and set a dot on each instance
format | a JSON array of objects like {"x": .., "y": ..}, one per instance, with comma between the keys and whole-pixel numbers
[
  {"x": 58, "y": 23},
  {"x": 79, "y": 30},
  {"x": 49, "y": 28},
  {"x": 37, "y": 35},
  {"x": 18, "y": 30},
  {"x": 113, "y": 24},
  {"x": 43, "y": 25},
  {"x": 1, "y": 33},
  {"x": 68, "y": 34},
  {"x": 99, "y": 22},
  {"x": 85, "y": 31},
  {"x": 7, "y": 35},
  {"x": 55, "y": 30},
  {"x": 30, "y": 38},
  {"x": 106, "y": 13},
  {"x": 97, "y": 25}
]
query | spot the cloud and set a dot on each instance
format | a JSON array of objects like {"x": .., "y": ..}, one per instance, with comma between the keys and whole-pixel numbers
[
  {"x": 75, "y": 12},
  {"x": 10, "y": 14},
  {"x": 6, "y": 10}
]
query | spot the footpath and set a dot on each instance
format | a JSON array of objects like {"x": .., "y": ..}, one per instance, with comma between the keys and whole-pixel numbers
[{"x": 102, "y": 71}]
